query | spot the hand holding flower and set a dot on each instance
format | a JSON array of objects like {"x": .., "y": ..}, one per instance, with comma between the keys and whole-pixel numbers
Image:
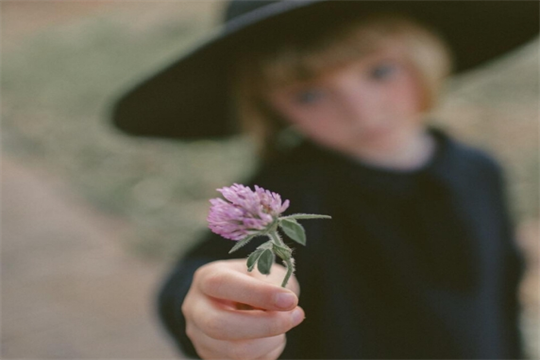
[
  {"x": 248, "y": 214},
  {"x": 232, "y": 313}
]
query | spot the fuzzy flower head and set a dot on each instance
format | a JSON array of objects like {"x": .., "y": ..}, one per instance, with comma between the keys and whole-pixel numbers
[{"x": 245, "y": 213}]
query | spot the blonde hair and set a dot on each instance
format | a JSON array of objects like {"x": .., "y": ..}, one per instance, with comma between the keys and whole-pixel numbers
[{"x": 261, "y": 69}]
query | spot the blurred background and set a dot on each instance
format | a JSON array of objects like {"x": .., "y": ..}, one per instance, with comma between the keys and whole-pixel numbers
[{"x": 91, "y": 219}]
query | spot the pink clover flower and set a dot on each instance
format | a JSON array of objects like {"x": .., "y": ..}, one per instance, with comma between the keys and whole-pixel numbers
[{"x": 246, "y": 212}]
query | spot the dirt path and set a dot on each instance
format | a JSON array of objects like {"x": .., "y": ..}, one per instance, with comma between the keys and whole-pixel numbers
[{"x": 68, "y": 289}]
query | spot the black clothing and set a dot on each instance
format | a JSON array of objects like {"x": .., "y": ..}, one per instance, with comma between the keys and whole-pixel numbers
[{"x": 413, "y": 264}]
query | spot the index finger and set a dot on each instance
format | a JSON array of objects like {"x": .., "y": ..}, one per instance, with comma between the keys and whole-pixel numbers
[{"x": 241, "y": 288}]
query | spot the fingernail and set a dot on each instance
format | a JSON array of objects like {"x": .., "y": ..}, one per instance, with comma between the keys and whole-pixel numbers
[
  {"x": 297, "y": 316},
  {"x": 285, "y": 300}
]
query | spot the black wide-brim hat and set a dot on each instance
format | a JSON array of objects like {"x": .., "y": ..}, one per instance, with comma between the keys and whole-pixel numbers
[{"x": 190, "y": 99}]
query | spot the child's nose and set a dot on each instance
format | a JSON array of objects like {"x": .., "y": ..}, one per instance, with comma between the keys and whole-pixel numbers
[{"x": 361, "y": 105}]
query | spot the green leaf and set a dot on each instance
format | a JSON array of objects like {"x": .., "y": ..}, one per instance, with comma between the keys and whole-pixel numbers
[
  {"x": 252, "y": 259},
  {"x": 293, "y": 230},
  {"x": 305, "y": 216},
  {"x": 241, "y": 243},
  {"x": 282, "y": 251},
  {"x": 265, "y": 262}
]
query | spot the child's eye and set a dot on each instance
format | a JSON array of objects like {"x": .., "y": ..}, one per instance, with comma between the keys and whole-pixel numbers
[
  {"x": 309, "y": 96},
  {"x": 382, "y": 71}
]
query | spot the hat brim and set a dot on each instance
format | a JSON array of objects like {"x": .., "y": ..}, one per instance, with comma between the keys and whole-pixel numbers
[{"x": 189, "y": 99}]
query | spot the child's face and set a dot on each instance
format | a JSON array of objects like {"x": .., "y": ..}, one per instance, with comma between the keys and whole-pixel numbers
[{"x": 366, "y": 107}]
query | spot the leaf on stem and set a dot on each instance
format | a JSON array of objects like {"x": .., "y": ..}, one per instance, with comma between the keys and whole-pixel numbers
[
  {"x": 252, "y": 259},
  {"x": 265, "y": 262},
  {"x": 305, "y": 216},
  {"x": 293, "y": 230},
  {"x": 241, "y": 243},
  {"x": 282, "y": 251}
]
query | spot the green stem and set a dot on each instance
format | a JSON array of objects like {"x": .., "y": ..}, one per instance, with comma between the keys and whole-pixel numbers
[
  {"x": 274, "y": 236},
  {"x": 290, "y": 269},
  {"x": 289, "y": 263}
]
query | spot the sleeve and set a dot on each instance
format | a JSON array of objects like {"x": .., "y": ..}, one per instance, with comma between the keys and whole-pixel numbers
[{"x": 514, "y": 267}]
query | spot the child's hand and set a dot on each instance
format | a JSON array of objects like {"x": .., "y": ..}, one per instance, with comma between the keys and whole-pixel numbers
[{"x": 233, "y": 314}]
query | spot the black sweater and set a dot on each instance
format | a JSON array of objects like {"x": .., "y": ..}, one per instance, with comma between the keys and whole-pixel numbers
[{"x": 418, "y": 264}]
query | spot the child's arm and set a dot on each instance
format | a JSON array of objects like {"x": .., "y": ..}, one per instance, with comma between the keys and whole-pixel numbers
[{"x": 220, "y": 325}]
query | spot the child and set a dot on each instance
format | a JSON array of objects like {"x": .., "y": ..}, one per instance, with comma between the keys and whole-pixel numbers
[{"x": 419, "y": 259}]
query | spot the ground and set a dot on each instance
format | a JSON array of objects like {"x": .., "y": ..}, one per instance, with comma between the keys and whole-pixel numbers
[{"x": 68, "y": 289}]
